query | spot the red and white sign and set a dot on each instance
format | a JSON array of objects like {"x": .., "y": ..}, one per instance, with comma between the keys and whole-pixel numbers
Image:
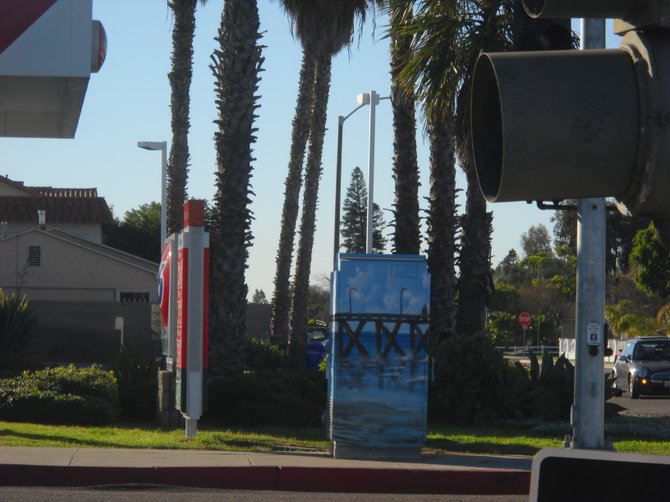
[
  {"x": 167, "y": 298},
  {"x": 164, "y": 271},
  {"x": 525, "y": 320},
  {"x": 192, "y": 314},
  {"x": 182, "y": 310}
]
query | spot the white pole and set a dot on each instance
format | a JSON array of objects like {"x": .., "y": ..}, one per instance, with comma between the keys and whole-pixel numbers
[
  {"x": 163, "y": 192},
  {"x": 374, "y": 100},
  {"x": 588, "y": 412},
  {"x": 162, "y": 146}
]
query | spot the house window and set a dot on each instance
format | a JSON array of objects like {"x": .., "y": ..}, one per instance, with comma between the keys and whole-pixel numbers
[
  {"x": 133, "y": 297},
  {"x": 34, "y": 256}
]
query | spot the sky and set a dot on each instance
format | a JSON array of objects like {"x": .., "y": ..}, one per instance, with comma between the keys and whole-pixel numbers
[{"x": 128, "y": 101}]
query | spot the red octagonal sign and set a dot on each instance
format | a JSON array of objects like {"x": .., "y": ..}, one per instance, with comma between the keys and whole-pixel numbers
[{"x": 524, "y": 320}]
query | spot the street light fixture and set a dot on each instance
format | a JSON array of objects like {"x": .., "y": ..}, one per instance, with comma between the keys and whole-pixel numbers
[
  {"x": 372, "y": 99},
  {"x": 162, "y": 146}
]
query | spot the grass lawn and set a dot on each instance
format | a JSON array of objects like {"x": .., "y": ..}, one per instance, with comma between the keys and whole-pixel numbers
[
  {"x": 133, "y": 436},
  {"x": 629, "y": 434}
]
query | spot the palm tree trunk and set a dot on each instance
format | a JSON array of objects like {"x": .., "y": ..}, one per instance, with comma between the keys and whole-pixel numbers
[
  {"x": 442, "y": 225},
  {"x": 180, "y": 85},
  {"x": 298, "y": 334},
  {"x": 281, "y": 299},
  {"x": 236, "y": 66},
  {"x": 474, "y": 263},
  {"x": 476, "y": 278},
  {"x": 405, "y": 167}
]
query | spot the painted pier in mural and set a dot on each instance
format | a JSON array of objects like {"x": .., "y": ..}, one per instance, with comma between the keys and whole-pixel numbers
[{"x": 378, "y": 361}]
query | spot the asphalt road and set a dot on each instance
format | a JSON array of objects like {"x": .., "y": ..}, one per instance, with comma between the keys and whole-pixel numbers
[
  {"x": 644, "y": 406},
  {"x": 172, "y": 494}
]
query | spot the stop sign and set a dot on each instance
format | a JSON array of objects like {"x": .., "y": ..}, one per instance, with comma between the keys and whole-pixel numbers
[{"x": 524, "y": 320}]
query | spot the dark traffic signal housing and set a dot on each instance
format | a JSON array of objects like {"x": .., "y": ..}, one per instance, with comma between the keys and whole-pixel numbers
[
  {"x": 534, "y": 34},
  {"x": 552, "y": 125}
]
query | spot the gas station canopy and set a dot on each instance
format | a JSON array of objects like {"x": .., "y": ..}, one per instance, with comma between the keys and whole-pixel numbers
[{"x": 48, "y": 50}]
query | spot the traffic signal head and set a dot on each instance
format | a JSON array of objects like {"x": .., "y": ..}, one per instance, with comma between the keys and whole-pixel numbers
[
  {"x": 574, "y": 124},
  {"x": 628, "y": 14},
  {"x": 580, "y": 8},
  {"x": 530, "y": 34},
  {"x": 541, "y": 120}
]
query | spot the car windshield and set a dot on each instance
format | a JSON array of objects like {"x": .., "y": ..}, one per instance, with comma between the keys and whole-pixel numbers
[
  {"x": 647, "y": 351},
  {"x": 317, "y": 336}
]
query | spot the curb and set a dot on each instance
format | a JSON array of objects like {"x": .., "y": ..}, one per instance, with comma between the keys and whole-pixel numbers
[{"x": 311, "y": 479}]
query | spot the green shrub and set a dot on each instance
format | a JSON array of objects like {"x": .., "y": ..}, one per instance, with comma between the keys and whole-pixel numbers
[
  {"x": 17, "y": 322},
  {"x": 514, "y": 394},
  {"x": 65, "y": 395},
  {"x": 543, "y": 392},
  {"x": 262, "y": 356},
  {"x": 137, "y": 376},
  {"x": 473, "y": 383},
  {"x": 287, "y": 398},
  {"x": 556, "y": 384},
  {"x": 468, "y": 368},
  {"x": 555, "y": 381}
]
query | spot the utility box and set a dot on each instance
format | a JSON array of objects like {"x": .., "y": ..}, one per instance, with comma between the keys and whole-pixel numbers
[{"x": 378, "y": 360}]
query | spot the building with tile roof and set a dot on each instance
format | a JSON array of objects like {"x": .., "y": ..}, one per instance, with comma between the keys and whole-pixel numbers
[
  {"x": 79, "y": 211},
  {"x": 78, "y": 286},
  {"x": 51, "y": 248}
]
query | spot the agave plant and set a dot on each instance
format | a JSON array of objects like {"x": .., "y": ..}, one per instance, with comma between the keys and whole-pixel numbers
[{"x": 17, "y": 322}]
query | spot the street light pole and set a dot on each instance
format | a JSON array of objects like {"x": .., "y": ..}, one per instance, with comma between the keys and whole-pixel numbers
[
  {"x": 373, "y": 99},
  {"x": 364, "y": 99},
  {"x": 162, "y": 146},
  {"x": 338, "y": 189},
  {"x": 338, "y": 182}
]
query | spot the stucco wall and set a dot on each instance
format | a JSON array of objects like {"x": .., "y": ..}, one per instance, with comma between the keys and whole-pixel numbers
[
  {"x": 70, "y": 271},
  {"x": 83, "y": 332}
]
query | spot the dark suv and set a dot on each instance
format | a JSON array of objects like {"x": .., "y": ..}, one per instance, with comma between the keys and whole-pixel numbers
[{"x": 644, "y": 367}]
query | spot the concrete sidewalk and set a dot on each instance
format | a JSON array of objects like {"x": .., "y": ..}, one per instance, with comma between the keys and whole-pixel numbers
[{"x": 449, "y": 474}]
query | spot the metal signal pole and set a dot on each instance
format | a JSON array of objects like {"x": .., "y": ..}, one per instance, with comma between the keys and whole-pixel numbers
[{"x": 588, "y": 411}]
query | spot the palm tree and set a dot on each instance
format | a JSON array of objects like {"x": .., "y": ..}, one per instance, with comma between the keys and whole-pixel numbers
[
  {"x": 490, "y": 29},
  {"x": 281, "y": 298},
  {"x": 180, "y": 85},
  {"x": 298, "y": 318},
  {"x": 449, "y": 37},
  {"x": 236, "y": 65},
  {"x": 330, "y": 26},
  {"x": 323, "y": 27},
  {"x": 442, "y": 228},
  {"x": 437, "y": 23},
  {"x": 406, "y": 237}
]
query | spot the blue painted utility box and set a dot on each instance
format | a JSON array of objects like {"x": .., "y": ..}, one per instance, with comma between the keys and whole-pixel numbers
[{"x": 378, "y": 361}]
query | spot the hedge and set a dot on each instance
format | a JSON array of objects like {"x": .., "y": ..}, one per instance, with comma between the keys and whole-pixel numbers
[{"x": 60, "y": 395}]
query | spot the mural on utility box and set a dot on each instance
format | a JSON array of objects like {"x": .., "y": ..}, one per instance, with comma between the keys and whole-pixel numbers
[{"x": 378, "y": 372}]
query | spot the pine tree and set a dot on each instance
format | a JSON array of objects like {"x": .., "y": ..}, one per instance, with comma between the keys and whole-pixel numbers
[{"x": 354, "y": 218}]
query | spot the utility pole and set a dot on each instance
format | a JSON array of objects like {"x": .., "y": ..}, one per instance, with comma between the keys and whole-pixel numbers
[
  {"x": 589, "y": 124},
  {"x": 588, "y": 410}
]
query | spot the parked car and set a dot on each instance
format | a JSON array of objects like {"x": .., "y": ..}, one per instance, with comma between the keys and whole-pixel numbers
[
  {"x": 317, "y": 345},
  {"x": 643, "y": 367}
]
